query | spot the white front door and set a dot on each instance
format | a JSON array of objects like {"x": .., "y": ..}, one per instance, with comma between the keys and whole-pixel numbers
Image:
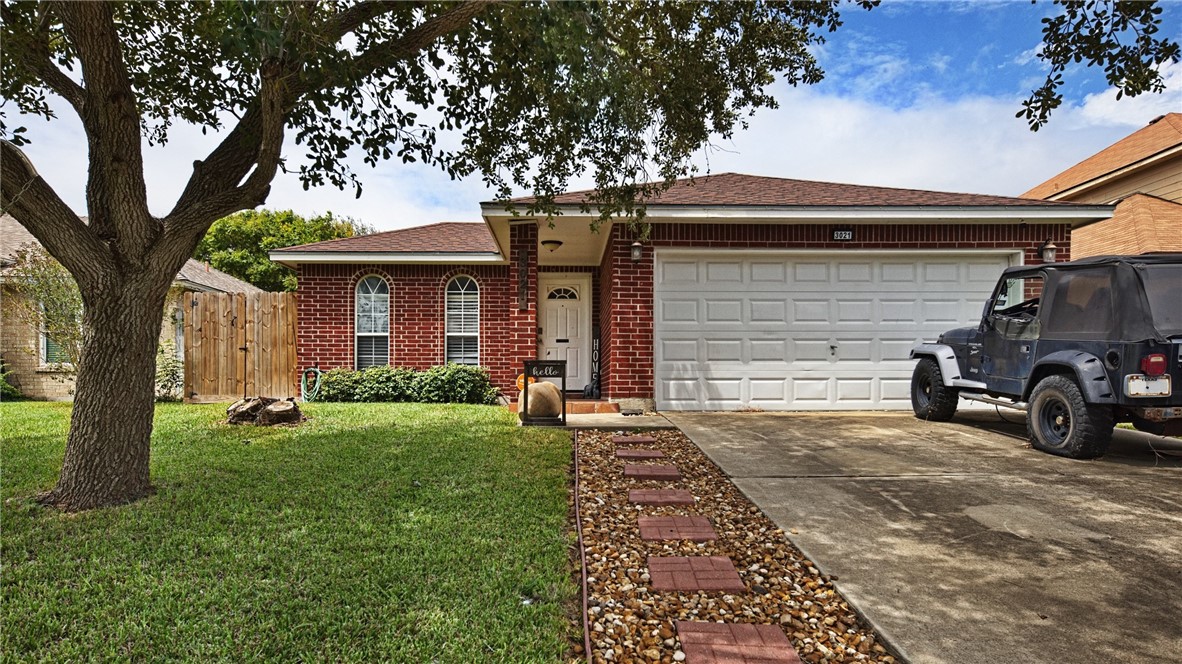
[{"x": 565, "y": 319}]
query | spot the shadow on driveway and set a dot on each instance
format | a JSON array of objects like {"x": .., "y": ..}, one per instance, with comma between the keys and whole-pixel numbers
[{"x": 963, "y": 544}]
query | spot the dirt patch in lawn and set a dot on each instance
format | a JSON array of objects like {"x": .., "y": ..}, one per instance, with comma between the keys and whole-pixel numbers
[{"x": 631, "y": 622}]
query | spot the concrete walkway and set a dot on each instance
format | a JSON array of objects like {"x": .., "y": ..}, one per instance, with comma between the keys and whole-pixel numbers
[{"x": 960, "y": 543}]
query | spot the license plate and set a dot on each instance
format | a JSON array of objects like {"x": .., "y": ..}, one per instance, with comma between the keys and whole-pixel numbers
[{"x": 1138, "y": 385}]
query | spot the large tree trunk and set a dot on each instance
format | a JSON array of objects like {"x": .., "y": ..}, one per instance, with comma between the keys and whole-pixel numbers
[{"x": 108, "y": 448}]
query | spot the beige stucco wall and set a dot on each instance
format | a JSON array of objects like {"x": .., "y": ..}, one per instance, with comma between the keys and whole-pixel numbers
[{"x": 20, "y": 348}]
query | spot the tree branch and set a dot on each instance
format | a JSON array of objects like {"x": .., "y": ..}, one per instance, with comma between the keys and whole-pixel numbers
[
  {"x": 38, "y": 62},
  {"x": 217, "y": 181},
  {"x": 116, "y": 196},
  {"x": 28, "y": 197},
  {"x": 413, "y": 41}
]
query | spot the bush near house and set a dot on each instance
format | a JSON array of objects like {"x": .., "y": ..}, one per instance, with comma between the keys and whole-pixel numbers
[{"x": 450, "y": 383}]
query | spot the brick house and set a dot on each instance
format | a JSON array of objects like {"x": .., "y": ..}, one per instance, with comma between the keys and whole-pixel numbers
[
  {"x": 751, "y": 292},
  {"x": 1141, "y": 175},
  {"x": 32, "y": 357}
]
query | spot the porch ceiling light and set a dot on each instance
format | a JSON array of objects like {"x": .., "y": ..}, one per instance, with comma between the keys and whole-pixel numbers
[
  {"x": 551, "y": 245},
  {"x": 1048, "y": 251},
  {"x": 637, "y": 251}
]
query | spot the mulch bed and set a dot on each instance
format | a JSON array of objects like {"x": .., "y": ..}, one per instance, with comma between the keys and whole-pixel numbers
[{"x": 630, "y": 622}]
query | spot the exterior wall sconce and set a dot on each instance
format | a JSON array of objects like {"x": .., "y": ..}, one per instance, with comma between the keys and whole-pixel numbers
[
  {"x": 1048, "y": 251},
  {"x": 637, "y": 251},
  {"x": 551, "y": 245}
]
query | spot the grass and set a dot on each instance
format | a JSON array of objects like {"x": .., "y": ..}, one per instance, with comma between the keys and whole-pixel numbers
[{"x": 408, "y": 533}]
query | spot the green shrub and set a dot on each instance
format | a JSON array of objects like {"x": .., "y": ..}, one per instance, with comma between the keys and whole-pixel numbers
[
  {"x": 455, "y": 383},
  {"x": 170, "y": 372},
  {"x": 452, "y": 383},
  {"x": 339, "y": 385},
  {"x": 7, "y": 391}
]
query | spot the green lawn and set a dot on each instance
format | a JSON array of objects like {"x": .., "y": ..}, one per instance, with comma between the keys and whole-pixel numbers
[{"x": 400, "y": 532}]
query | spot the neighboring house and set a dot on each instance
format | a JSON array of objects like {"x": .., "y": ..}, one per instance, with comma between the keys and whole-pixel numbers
[
  {"x": 752, "y": 292},
  {"x": 1142, "y": 175},
  {"x": 33, "y": 358}
]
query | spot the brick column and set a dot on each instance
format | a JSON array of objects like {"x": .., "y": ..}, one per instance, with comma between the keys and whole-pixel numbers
[
  {"x": 522, "y": 333},
  {"x": 626, "y": 321}
]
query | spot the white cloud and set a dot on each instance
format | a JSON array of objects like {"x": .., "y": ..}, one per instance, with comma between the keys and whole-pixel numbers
[
  {"x": 972, "y": 144},
  {"x": 1103, "y": 108}
]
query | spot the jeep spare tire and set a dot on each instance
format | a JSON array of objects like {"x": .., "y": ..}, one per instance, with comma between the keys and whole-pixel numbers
[
  {"x": 1061, "y": 422},
  {"x": 930, "y": 398}
]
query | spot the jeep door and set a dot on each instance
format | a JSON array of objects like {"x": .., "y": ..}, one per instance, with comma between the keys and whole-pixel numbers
[{"x": 1010, "y": 331}]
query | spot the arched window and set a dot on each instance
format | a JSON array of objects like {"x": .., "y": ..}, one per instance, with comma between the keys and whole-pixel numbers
[
  {"x": 373, "y": 322},
  {"x": 462, "y": 321}
]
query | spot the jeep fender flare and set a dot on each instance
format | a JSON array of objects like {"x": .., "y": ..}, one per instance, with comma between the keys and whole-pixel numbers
[
  {"x": 1087, "y": 369},
  {"x": 949, "y": 369}
]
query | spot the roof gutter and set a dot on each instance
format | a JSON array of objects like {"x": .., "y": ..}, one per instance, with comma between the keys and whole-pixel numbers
[
  {"x": 293, "y": 258},
  {"x": 1077, "y": 215}
]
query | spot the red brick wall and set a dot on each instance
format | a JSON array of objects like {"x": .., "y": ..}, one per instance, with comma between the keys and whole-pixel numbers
[
  {"x": 507, "y": 334},
  {"x": 624, "y": 311},
  {"x": 626, "y": 319}
]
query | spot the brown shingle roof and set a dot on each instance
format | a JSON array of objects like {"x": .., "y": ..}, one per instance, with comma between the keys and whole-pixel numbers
[
  {"x": 214, "y": 279},
  {"x": 13, "y": 237},
  {"x": 1161, "y": 134},
  {"x": 449, "y": 237},
  {"x": 736, "y": 189},
  {"x": 1140, "y": 223}
]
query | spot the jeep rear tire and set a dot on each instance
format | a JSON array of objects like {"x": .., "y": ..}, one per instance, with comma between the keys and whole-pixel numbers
[
  {"x": 1061, "y": 422},
  {"x": 930, "y": 398}
]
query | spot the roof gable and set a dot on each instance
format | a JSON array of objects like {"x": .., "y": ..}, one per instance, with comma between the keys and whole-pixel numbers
[
  {"x": 737, "y": 189},
  {"x": 450, "y": 237},
  {"x": 1160, "y": 135}
]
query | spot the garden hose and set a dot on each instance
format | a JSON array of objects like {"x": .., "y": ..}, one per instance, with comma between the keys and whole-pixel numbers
[{"x": 307, "y": 394}]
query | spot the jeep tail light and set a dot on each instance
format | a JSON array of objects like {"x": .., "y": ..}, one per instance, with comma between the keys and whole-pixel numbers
[{"x": 1153, "y": 365}]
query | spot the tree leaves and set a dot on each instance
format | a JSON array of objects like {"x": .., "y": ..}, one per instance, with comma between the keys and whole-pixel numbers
[
  {"x": 239, "y": 244},
  {"x": 1120, "y": 37}
]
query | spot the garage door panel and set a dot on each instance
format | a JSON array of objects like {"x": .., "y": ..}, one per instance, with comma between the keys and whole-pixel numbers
[
  {"x": 745, "y": 329},
  {"x": 724, "y": 311}
]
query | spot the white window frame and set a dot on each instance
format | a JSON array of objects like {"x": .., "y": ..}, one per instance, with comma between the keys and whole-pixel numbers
[
  {"x": 357, "y": 333},
  {"x": 473, "y": 288}
]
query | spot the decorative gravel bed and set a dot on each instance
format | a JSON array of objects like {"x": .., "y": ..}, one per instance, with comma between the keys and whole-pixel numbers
[{"x": 630, "y": 622}]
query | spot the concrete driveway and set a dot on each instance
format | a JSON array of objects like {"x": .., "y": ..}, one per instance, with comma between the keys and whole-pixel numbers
[{"x": 962, "y": 544}]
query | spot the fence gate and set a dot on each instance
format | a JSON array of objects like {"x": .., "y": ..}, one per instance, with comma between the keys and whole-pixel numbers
[{"x": 239, "y": 343}]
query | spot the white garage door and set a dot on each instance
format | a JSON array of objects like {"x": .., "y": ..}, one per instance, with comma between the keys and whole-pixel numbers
[{"x": 778, "y": 330}]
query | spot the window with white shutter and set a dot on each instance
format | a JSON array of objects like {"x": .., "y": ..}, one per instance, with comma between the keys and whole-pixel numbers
[
  {"x": 462, "y": 321},
  {"x": 373, "y": 322}
]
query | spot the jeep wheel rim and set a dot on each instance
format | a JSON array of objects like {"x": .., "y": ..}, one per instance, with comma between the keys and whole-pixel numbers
[
  {"x": 1055, "y": 418},
  {"x": 923, "y": 392}
]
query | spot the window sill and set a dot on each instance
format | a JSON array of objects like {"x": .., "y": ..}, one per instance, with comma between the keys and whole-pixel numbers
[{"x": 54, "y": 369}]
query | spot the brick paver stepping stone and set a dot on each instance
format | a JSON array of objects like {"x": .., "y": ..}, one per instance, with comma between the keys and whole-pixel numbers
[
  {"x": 633, "y": 440},
  {"x": 715, "y": 643},
  {"x": 640, "y": 454},
  {"x": 692, "y": 528},
  {"x": 694, "y": 573},
  {"x": 660, "y": 497},
  {"x": 654, "y": 472}
]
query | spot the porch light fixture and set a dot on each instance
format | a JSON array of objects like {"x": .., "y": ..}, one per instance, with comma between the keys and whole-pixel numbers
[
  {"x": 1048, "y": 250},
  {"x": 551, "y": 244},
  {"x": 637, "y": 251}
]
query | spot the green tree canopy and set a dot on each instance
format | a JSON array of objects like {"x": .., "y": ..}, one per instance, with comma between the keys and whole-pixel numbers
[{"x": 240, "y": 243}]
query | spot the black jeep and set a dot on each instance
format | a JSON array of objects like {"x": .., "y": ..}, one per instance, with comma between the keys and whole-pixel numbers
[{"x": 1079, "y": 346}]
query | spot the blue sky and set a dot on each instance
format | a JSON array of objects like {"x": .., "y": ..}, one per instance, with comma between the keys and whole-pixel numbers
[{"x": 918, "y": 94}]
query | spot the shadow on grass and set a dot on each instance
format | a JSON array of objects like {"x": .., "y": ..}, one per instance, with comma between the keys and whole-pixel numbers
[{"x": 397, "y": 532}]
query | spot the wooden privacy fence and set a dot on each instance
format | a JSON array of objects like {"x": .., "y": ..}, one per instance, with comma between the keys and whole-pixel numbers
[{"x": 240, "y": 343}]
